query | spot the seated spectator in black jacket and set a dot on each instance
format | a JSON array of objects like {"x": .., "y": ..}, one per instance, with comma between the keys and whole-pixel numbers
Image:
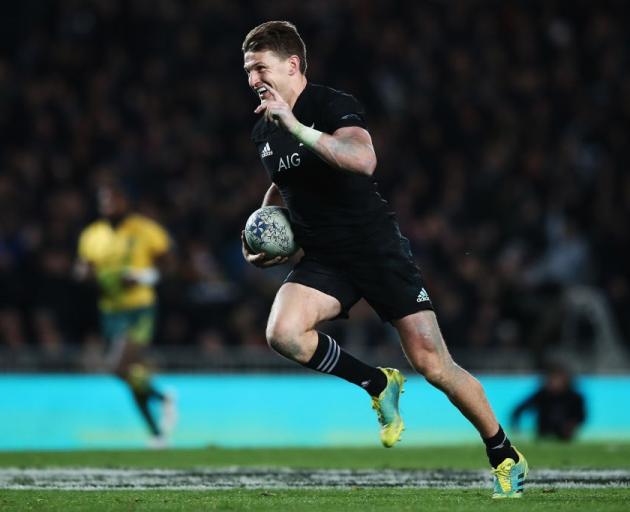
[{"x": 559, "y": 407}]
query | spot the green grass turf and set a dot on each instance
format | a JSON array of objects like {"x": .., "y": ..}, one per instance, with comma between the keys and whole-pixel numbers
[
  {"x": 539, "y": 455},
  {"x": 363, "y": 500}
]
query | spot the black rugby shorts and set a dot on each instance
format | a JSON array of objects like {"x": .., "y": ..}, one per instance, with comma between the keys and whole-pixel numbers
[{"x": 382, "y": 272}]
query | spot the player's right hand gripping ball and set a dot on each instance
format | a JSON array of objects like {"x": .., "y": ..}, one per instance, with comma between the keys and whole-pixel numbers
[{"x": 268, "y": 230}]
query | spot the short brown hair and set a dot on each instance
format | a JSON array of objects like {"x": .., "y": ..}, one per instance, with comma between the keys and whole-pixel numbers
[{"x": 280, "y": 37}]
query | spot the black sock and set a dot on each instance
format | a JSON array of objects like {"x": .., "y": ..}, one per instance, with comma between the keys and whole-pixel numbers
[
  {"x": 154, "y": 393},
  {"x": 329, "y": 357},
  {"x": 499, "y": 448},
  {"x": 142, "y": 401}
]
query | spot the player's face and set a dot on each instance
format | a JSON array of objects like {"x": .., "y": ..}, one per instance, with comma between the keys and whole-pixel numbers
[
  {"x": 267, "y": 68},
  {"x": 111, "y": 203}
]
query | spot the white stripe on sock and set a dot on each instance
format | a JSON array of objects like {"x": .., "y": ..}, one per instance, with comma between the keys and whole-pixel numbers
[
  {"x": 500, "y": 445},
  {"x": 334, "y": 359},
  {"x": 332, "y": 366},
  {"x": 326, "y": 360}
]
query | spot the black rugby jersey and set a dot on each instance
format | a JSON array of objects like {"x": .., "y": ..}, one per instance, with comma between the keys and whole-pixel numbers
[{"x": 330, "y": 209}]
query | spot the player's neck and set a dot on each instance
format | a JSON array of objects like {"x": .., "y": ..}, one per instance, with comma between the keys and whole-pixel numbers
[
  {"x": 295, "y": 90},
  {"x": 117, "y": 219}
]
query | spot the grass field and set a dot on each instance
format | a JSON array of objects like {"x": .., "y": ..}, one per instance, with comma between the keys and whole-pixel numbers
[{"x": 355, "y": 479}]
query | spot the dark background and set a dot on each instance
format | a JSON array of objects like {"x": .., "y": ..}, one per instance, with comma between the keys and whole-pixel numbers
[{"x": 501, "y": 129}]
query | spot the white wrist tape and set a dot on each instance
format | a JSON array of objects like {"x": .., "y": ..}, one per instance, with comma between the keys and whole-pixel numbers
[
  {"x": 307, "y": 135},
  {"x": 146, "y": 276}
]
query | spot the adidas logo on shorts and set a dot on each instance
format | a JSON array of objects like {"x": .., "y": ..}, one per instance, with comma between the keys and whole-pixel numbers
[
  {"x": 266, "y": 151},
  {"x": 423, "y": 296}
]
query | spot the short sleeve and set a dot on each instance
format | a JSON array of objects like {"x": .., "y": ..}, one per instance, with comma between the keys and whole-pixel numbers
[
  {"x": 158, "y": 238},
  {"x": 344, "y": 110},
  {"x": 83, "y": 250}
]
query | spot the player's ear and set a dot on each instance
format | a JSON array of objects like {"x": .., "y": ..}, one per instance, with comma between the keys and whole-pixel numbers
[{"x": 294, "y": 65}]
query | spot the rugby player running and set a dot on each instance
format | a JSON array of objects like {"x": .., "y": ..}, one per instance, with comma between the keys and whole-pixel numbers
[
  {"x": 314, "y": 143},
  {"x": 121, "y": 251}
]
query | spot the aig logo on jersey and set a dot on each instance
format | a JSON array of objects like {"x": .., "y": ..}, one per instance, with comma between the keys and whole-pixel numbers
[{"x": 288, "y": 161}]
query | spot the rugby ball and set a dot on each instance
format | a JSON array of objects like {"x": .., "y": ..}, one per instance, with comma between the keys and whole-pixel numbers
[{"x": 268, "y": 230}]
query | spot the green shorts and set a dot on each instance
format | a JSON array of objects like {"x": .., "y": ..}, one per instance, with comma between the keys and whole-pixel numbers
[{"x": 133, "y": 325}]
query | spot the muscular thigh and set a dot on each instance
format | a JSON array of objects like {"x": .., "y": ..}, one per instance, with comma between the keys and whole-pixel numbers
[
  {"x": 326, "y": 283},
  {"x": 303, "y": 307}
]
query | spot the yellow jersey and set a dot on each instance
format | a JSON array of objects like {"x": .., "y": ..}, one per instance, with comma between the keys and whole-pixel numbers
[{"x": 132, "y": 245}]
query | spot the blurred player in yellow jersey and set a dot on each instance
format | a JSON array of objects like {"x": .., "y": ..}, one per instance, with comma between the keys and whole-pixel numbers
[{"x": 122, "y": 251}]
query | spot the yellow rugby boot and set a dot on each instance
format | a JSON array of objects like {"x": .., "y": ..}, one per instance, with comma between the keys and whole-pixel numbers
[
  {"x": 509, "y": 477},
  {"x": 386, "y": 407}
]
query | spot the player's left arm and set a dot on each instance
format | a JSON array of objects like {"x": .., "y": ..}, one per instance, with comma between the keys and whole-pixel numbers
[
  {"x": 161, "y": 248},
  {"x": 84, "y": 268},
  {"x": 348, "y": 148}
]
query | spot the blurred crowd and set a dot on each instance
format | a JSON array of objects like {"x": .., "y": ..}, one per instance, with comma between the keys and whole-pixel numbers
[{"x": 501, "y": 129}]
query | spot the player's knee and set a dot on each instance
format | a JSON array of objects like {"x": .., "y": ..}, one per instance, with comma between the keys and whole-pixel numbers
[
  {"x": 121, "y": 372},
  {"x": 283, "y": 336},
  {"x": 436, "y": 375},
  {"x": 436, "y": 370},
  {"x": 122, "y": 369}
]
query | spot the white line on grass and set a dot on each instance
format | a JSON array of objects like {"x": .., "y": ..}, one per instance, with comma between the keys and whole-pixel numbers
[{"x": 288, "y": 478}]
